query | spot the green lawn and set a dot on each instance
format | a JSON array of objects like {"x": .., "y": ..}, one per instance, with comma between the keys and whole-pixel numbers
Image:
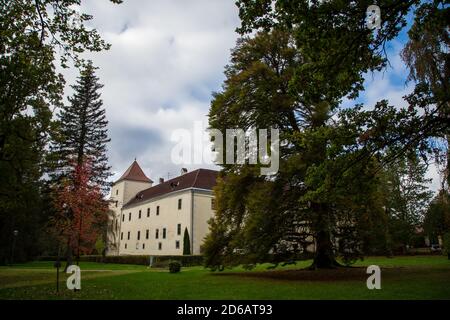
[{"x": 417, "y": 277}]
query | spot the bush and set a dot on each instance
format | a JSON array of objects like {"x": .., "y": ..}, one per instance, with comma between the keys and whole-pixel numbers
[
  {"x": 158, "y": 261},
  {"x": 174, "y": 266}
]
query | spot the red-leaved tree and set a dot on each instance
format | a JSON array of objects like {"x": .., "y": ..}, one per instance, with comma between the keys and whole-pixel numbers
[{"x": 81, "y": 212}]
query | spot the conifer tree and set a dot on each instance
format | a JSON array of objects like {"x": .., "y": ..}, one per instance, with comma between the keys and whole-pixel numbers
[
  {"x": 186, "y": 243},
  {"x": 83, "y": 130}
]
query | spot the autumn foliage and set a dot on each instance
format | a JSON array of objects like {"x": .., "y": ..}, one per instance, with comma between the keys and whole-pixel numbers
[{"x": 81, "y": 211}]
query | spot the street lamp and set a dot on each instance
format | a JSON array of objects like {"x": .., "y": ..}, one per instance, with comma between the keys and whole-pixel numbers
[{"x": 15, "y": 234}]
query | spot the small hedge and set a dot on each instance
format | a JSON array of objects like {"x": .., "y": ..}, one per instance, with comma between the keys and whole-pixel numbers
[
  {"x": 158, "y": 261},
  {"x": 174, "y": 266}
]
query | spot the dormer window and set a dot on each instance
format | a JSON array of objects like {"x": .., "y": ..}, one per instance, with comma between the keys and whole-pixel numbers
[{"x": 173, "y": 185}]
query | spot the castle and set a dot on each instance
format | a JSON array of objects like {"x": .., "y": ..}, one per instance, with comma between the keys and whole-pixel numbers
[{"x": 152, "y": 220}]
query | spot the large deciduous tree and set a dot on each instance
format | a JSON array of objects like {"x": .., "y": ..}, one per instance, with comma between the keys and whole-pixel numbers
[
  {"x": 305, "y": 58},
  {"x": 312, "y": 200},
  {"x": 81, "y": 211}
]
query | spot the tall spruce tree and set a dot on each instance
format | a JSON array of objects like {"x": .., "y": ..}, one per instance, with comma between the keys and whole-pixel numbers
[{"x": 83, "y": 133}]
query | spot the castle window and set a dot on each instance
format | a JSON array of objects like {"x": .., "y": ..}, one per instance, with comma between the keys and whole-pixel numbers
[
  {"x": 177, "y": 244},
  {"x": 143, "y": 246},
  {"x": 148, "y": 212},
  {"x": 164, "y": 233},
  {"x": 179, "y": 229},
  {"x": 139, "y": 235},
  {"x": 125, "y": 245},
  {"x": 129, "y": 216},
  {"x": 159, "y": 246},
  {"x": 123, "y": 217},
  {"x": 157, "y": 210},
  {"x": 140, "y": 212},
  {"x": 179, "y": 204},
  {"x": 117, "y": 192},
  {"x": 128, "y": 235},
  {"x": 147, "y": 233},
  {"x": 121, "y": 236},
  {"x": 157, "y": 234}
]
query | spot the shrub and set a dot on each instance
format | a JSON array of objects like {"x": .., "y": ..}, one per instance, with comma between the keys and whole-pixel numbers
[
  {"x": 174, "y": 266},
  {"x": 158, "y": 261}
]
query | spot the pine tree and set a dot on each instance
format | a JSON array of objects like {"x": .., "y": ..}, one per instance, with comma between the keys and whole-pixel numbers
[
  {"x": 186, "y": 243},
  {"x": 83, "y": 131}
]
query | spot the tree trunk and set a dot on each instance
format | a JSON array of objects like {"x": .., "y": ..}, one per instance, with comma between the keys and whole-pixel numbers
[
  {"x": 324, "y": 257},
  {"x": 69, "y": 256}
]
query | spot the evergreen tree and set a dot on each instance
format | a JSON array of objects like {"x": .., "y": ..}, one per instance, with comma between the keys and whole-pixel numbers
[
  {"x": 186, "y": 243},
  {"x": 406, "y": 199},
  {"x": 83, "y": 132},
  {"x": 33, "y": 34}
]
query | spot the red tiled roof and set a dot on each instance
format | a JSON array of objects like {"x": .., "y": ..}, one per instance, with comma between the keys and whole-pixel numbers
[
  {"x": 134, "y": 173},
  {"x": 200, "y": 178}
]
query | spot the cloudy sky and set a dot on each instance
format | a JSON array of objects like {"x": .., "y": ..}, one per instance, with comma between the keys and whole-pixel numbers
[{"x": 167, "y": 57}]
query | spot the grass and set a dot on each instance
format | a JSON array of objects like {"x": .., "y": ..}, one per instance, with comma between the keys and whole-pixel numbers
[{"x": 416, "y": 277}]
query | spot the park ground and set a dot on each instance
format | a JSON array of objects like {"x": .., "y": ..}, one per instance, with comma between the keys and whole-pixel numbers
[{"x": 412, "y": 277}]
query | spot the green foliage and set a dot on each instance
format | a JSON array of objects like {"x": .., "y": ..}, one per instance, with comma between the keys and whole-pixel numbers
[
  {"x": 446, "y": 243},
  {"x": 99, "y": 245},
  {"x": 292, "y": 74},
  {"x": 174, "y": 266},
  {"x": 158, "y": 261},
  {"x": 186, "y": 243},
  {"x": 316, "y": 195},
  {"x": 82, "y": 131},
  {"x": 33, "y": 34},
  {"x": 437, "y": 218}
]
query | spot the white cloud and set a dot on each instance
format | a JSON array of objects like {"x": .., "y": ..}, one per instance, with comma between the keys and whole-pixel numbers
[{"x": 167, "y": 57}]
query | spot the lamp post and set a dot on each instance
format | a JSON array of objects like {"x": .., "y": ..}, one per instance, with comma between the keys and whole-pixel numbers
[{"x": 15, "y": 234}]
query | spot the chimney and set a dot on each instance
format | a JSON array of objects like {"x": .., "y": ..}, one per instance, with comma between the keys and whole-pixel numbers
[
  {"x": 183, "y": 171},
  {"x": 161, "y": 180}
]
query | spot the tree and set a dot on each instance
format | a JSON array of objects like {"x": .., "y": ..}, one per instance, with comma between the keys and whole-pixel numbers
[
  {"x": 427, "y": 56},
  {"x": 186, "y": 243},
  {"x": 406, "y": 199},
  {"x": 80, "y": 212},
  {"x": 333, "y": 49},
  {"x": 82, "y": 130},
  {"x": 33, "y": 33},
  {"x": 437, "y": 218},
  {"x": 312, "y": 199},
  {"x": 446, "y": 242}
]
